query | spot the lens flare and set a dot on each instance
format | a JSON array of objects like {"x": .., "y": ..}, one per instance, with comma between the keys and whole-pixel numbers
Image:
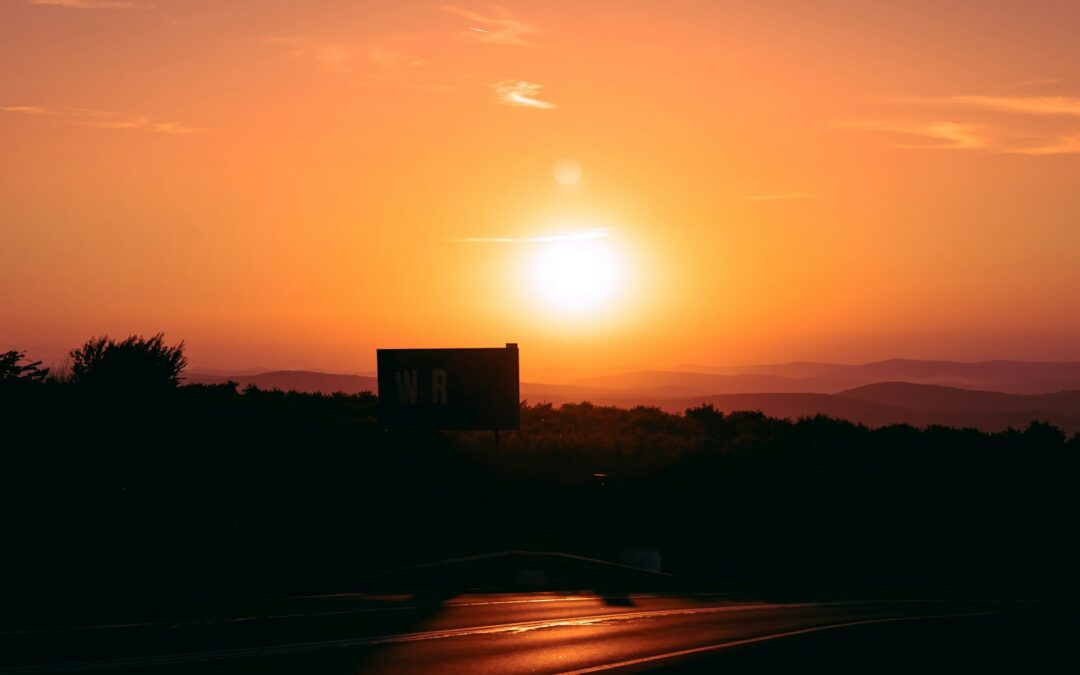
[{"x": 567, "y": 171}]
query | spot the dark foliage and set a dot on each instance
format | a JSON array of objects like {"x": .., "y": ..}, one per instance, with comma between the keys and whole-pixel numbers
[
  {"x": 227, "y": 491},
  {"x": 136, "y": 365},
  {"x": 12, "y": 371}
]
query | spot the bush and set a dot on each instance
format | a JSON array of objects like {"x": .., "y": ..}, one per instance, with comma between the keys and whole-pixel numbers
[{"x": 134, "y": 366}]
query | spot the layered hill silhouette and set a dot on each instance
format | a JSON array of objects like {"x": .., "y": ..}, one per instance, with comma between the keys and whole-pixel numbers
[
  {"x": 878, "y": 405},
  {"x": 1015, "y": 377},
  {"x": 996, "y": 394}
]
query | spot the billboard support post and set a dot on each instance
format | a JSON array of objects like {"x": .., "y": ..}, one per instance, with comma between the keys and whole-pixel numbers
[
  {"x": 497, "y": 488},
  {"x": 454, "y": 389}
]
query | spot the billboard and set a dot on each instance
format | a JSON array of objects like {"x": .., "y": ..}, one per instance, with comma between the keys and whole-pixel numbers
[{"x": 449, "y": 388}]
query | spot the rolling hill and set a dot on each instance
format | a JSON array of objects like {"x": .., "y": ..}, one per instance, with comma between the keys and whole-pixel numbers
[
  {"x": 826, "y": 392},
  {"x": 1016, "y": 377}
]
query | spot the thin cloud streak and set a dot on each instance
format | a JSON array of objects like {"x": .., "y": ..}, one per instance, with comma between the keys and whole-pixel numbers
[
  {"x": 521, "y": 93},
  {"x": 85, "y": 4},
  {"x": 334, "y": 56},
  {"x": 102, "y": 119},
  {"x": 957, "y": 136},
  {"x": 578, "y": 235},
  {"x": 950, "y": 135},
  {"x": 501, "y": 29},
  {"x": 376, "y": 64},
  {"x": 183, "y": 20},
  {"x": 1067, "y": 145},
  {"x": 1038, "y": 82},
  {"x": 1029, "y": 105},
  {"x": 778, "y": 197},
  {"x": 1021, "y": 134}
]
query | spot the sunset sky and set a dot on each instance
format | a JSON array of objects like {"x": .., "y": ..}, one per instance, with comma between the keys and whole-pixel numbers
[{"x": 292, "y": 184}]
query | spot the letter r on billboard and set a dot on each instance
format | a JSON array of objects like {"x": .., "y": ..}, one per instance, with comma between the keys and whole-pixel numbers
[{"x": 438, "y": 386}]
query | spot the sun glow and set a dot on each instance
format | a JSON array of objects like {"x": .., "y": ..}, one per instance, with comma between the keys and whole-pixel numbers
[{"x": 576, "y": 275}]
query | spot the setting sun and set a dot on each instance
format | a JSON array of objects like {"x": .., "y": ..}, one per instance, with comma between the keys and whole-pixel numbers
[{"x": 574, "y": 276}]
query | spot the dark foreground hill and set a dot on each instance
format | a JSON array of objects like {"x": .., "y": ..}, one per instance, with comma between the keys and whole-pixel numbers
[{"x": 206, "y": 490}]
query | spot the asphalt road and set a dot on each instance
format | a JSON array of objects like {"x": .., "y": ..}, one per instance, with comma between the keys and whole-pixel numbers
[{"x": 431, "y": 633}]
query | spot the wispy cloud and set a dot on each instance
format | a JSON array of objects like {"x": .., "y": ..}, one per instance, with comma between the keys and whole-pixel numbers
[
  {"x": 381, "y": 63},
  {"x": 327, "y": 54},
  {"x": 778, "y": 196},
  {"x": 1064, "y": 145},
  {"x": 86, "y": 4},
  {"x": 102, "y": 119},
  {"x": 1016, "y": 125},
  {"x": 500, "y": 27},
  {"x": 388, "y": 58},
  {"x": 1029, "y": 105},
  {"x": 182, "y": 20},
  {"x": 576, "y": 235},
  {"x": 1037, "y": 82},
  {"x": 947, "y": 135},
  {"x": 520, "y": 93}
]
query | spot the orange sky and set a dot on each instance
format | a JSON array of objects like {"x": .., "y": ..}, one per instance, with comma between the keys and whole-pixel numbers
[{"x": 293, "y": 184}]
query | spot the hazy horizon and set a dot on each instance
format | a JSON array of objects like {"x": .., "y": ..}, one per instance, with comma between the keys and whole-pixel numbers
[{"x": 56, "y": 358}]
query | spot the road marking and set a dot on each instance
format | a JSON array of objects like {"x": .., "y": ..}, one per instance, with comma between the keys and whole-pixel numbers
[
  {"x": 277, "y": 650},
  {"x": 301, "y": 615},
  {"x": 762, "y": 638},
  {"x": 521, "y": 626}
]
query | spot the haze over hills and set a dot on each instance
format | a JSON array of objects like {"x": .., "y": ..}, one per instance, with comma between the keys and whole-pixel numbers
[
  {"x": 1018, "y": 377},
  {"x": 876, "y": 405},
  {"x": 934, "y": 397},
  {"x": 872, "y": 413},
  {"x": 1024, "y": 392}
]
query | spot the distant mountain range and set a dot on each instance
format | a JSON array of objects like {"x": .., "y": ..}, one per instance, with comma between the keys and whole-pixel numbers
[
  {"x": 1016, "y": 377},
  {"x": 991, "y": 395}
]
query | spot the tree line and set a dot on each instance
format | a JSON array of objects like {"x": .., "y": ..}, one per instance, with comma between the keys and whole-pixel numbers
[{"x": 120, "y": 479}]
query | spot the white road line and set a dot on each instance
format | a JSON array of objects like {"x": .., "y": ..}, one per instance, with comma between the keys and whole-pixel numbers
[
  {"x": 277, "y": 650},
  {"x": 762, "y": 638}
]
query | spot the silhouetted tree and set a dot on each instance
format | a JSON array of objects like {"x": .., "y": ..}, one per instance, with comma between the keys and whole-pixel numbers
[
  {"x": 134, "y": 365},
  {"x": 10, "y": 370}
]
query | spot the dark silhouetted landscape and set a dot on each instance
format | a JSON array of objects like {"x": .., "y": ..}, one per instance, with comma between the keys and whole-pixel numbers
[
  {"x": 129, "y": 490},
  {"x": 517, "y": 337},
  {"x": 202, "y": 488}
]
